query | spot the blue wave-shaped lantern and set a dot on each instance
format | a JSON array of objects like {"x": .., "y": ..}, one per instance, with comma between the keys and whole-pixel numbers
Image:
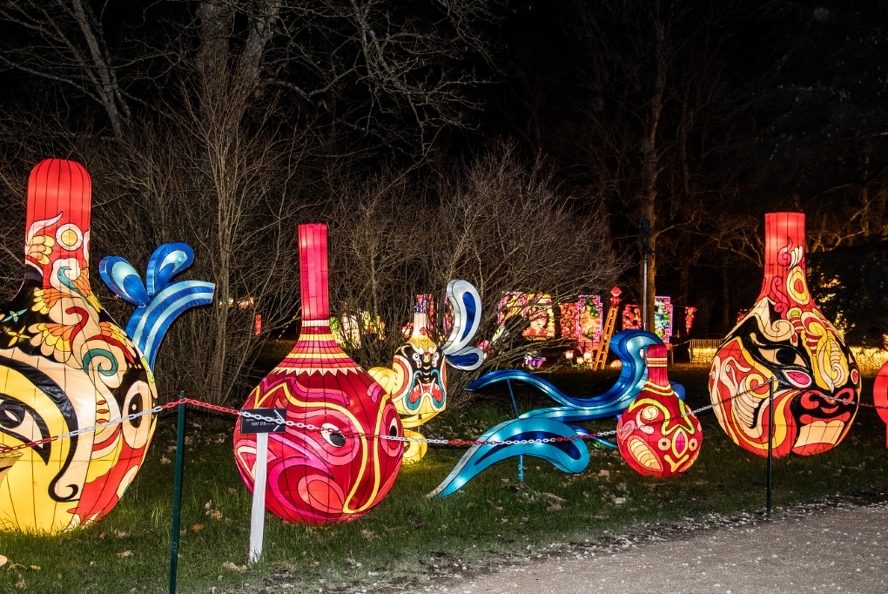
[
  {"x": 466, "y": 304},
  {"x": 628, "y": 345},
  {"x": 568, "y": 454},
  {"x": 158, "y": 301}
]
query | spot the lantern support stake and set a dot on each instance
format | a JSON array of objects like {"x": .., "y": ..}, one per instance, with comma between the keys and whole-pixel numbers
[
  {"x": 257, "y": 515},
  {"x": 177, "y": 494},
  {"x": 772, "y": 384},
  {"x": 261, "y": 422}
]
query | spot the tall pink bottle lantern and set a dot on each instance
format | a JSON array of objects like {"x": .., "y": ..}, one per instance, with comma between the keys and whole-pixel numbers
[
  {"x": 785, "y": 336},
  {"x": 341, "y": 470}
]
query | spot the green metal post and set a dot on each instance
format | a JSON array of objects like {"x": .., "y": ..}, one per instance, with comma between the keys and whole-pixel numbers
[{"x": 177, "y": 495}]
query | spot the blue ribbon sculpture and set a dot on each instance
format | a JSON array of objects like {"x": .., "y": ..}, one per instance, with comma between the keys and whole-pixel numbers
[
  {"x": 568, "y": 453},
  {"x": 158, "y": 302},
  {"x": 466, "y": 303}
]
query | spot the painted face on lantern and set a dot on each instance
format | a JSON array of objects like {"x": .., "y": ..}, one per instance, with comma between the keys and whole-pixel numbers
[
  {"x": 812, "y": 371},
  {"x": 786, "y": 337},
  {"x": 66, "y": 366},
  {"x": 424, "y": 391},
  {"x": 337, "y": 472}
]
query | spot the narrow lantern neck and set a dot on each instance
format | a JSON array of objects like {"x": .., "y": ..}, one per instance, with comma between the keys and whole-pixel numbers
[
  {"x": 784, "y": 246},
  {"x": 656, "y": 366},
  {"x": 313, "y": 272},
  {"x": 58, "y": 217}
]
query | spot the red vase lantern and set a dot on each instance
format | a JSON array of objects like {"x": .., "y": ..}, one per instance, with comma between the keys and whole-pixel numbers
[
  {"x": 880, "y": 396},
  {"x": 785, "y": 336},
  {"x": 657, "y": 434},
  {"x": 66, "y": 366},
  {"x": 342, "y": 469}
]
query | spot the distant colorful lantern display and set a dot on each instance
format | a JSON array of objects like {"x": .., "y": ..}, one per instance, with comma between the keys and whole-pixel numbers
[
  {"x": 657, "y": 434},
  {"x": 690, "y": 314},
  {"x": 67, "y": 369},
  {"x": 785, "y": 336},
  {"x": 417, "y": 380},
  {"x": 632, "y": 317},
  {"x": 663, "y": 318},
  {"x": 535, "y": 308},
  {"x": 880, "y": 396},
  {"x": 581, "y": 321},
  {"x": 343, "y": 469},
  {"x": 424, "y": 302}
]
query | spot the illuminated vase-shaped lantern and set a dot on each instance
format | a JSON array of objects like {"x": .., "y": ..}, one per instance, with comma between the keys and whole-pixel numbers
[
  {"x": 416, "y": 382},
  {"x": 880, "y": 396},
  {"x": 339, "y": 468},
  {"x": 657, "y": 434},
  {"x": 785, "y": 336},
  {"x": 66, "y": 366}
]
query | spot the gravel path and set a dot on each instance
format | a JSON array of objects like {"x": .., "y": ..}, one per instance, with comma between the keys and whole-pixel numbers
[{"x": 815, "y": 548}]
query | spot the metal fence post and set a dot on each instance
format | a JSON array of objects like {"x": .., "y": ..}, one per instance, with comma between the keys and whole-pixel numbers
[{"x": 177, "y": 495}]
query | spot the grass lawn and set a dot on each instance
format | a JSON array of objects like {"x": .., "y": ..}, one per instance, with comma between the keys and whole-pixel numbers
[{"x": 409, "y": 539}]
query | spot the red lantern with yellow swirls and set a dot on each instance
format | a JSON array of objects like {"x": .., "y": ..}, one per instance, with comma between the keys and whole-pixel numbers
[
  {"x": 657, "y": 434},
  {"x": 337, "y": 465},
  {"x": 785, "y": 336}
]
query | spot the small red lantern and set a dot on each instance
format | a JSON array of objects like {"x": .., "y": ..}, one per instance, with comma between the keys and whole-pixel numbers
[{"x": 658, "y": 435}]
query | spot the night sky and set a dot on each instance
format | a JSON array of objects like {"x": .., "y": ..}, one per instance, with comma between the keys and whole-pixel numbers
[{"x": 760, "y": 106}]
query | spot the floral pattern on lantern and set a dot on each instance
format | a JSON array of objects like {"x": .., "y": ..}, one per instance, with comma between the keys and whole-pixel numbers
[{"x": 657, "y": 434}]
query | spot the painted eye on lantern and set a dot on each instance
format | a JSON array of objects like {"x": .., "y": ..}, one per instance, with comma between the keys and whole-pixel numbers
[
  {"x": 663, "y": 444},
  {"x": 782, "y": 356},
  {"x": 137, "y": 431},
  {"x": 777, "y": 354},
  {"x": 69, "y": 237},
  {"x": 332, "y": 435},
  {"x": 22, "y": 422},
  {"x": 393, "y": 427}
]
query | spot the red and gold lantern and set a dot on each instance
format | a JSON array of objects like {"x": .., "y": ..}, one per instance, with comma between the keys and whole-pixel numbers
[
  {"x": 657, "y": 434},
  {"x": 66, "y": 369},
  {"x": 786, "y": 337},
  {"x": 339, "y": 468}
]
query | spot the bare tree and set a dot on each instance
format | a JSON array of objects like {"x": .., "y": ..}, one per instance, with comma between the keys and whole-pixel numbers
[
  {"x": 499, "y": 223},
  {"x": 206, "y": 120}
]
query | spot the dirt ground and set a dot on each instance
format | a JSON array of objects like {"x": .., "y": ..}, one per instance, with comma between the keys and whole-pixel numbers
[{"x": 826, "y": 547}]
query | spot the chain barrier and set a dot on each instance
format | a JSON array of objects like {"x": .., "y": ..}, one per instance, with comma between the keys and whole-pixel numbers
[{"x": 345, "y": 433}]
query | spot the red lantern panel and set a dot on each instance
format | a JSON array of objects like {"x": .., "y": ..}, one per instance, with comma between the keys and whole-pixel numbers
[{"x": 658, "y": 435}]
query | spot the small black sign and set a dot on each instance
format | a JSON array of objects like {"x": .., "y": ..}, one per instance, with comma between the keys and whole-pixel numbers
[{"x": 263, "y": 420}]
